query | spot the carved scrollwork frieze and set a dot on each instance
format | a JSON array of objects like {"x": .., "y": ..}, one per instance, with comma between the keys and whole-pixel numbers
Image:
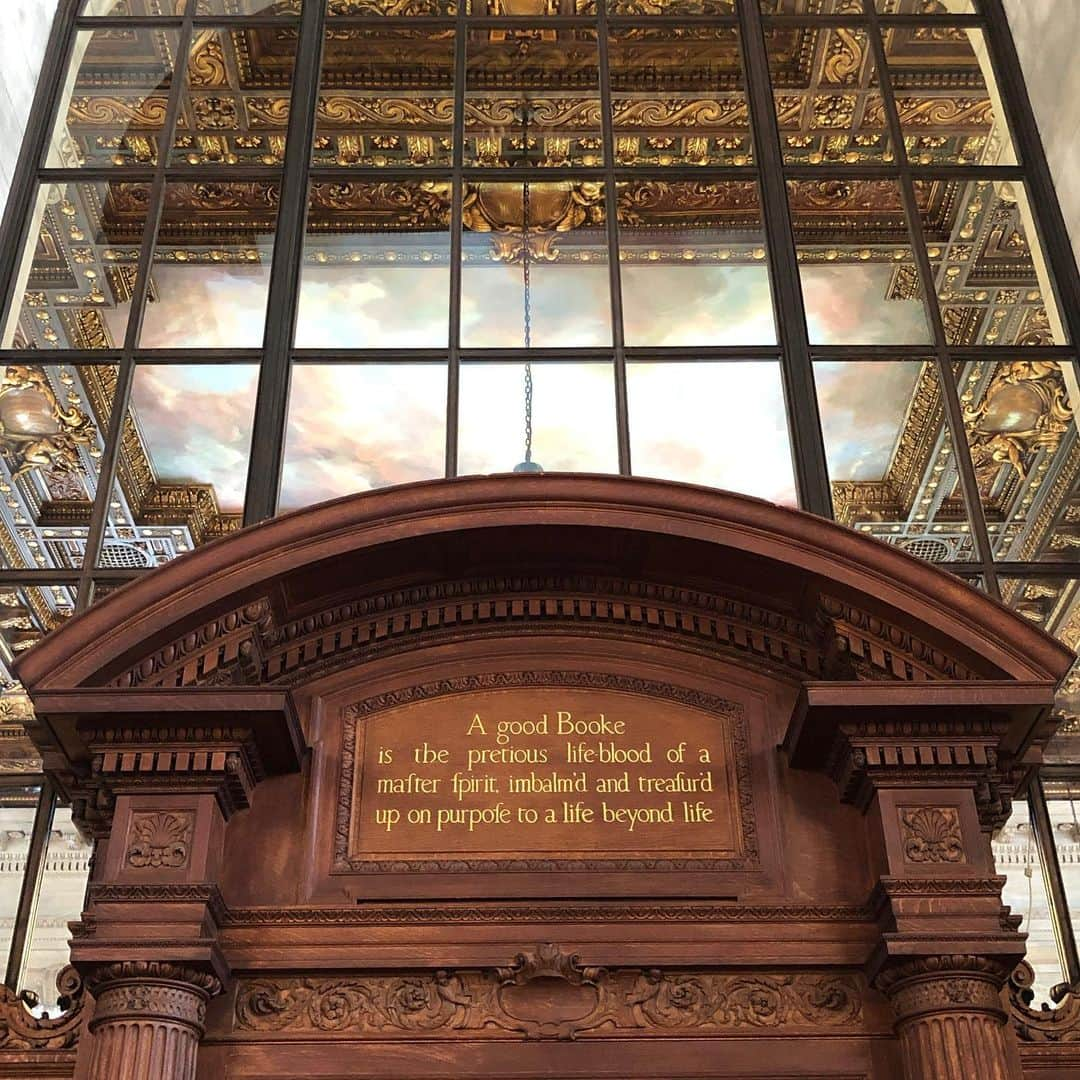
[
  {"x": 20, "y": 1029},
  {"x": 548, "y": 994},
  {"x": 1045, "y": 1024}
]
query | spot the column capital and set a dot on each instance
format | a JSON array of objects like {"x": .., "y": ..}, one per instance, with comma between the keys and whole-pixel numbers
[
  {"x": 148, "y": 1018},
  {"x": 935, "y": 984},
  {"x": 951, "y": 1017}
]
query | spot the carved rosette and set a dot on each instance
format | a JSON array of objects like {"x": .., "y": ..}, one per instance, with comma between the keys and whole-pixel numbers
[
  {"x": 950, "y": 1018},
  {"x": 148, "y": 1020}
]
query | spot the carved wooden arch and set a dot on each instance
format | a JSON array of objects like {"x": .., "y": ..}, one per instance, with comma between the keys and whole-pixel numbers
[{"x": 288, "y": 600}]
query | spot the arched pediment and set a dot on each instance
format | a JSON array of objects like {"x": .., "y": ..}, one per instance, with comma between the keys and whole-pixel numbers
[{"x": 291, "y": 599}]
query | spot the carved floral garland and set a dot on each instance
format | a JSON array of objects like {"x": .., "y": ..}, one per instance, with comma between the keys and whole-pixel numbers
[{"x": 570, "y": 1001}]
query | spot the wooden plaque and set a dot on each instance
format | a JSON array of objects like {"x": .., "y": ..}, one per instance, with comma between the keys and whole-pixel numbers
[{"x": 625, "y": 776}]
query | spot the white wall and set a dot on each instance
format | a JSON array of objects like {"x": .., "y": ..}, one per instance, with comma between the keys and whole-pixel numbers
[
  {"x": 23, "y": 36},
  {"x": 1047, "y": 34}
]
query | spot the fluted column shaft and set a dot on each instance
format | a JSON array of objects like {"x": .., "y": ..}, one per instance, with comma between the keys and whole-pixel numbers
[
  {"x": 950, "y": 1019},
  {"x": 148, "y": 1020}
]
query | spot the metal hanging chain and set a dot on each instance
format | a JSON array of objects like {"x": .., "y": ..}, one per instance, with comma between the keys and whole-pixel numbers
[{"x": 526, "y": 282}]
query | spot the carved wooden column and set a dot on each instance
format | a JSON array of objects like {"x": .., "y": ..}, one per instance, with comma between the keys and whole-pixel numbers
[
  {"x": 932, "y": 775},
  {"x": 157, "y": 785},
  {"x": 148, "y": 1020},
  {"x": 950, "y": 1018}
]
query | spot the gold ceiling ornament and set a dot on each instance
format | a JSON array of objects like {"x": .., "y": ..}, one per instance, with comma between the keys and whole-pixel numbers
[
  {"x": 36, "y": 431},
  {"x": 1025, "y": 409},
  {"x": 554, "y": 207},
  {"x": 206, "y": 62},
  {"x": 391, "y": 7},
  {"x": 525, "y": 7}
]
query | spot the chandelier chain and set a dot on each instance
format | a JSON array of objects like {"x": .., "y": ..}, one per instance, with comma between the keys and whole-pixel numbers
[{"x": 526, "y": 284}]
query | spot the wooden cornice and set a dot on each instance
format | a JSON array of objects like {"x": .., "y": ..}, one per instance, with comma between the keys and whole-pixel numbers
[{"x": 783, "y": 558}]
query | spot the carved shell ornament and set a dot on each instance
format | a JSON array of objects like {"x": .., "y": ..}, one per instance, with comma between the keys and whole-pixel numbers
[
  {"x": 160, "y": 840},
  {"x": 932, "y": 834}
]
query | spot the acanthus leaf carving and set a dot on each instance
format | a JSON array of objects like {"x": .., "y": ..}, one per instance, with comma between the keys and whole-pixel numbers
[
  {"x": 1045, "y": 1024},
  {"x": 20, "y": 1029},
  {"x": 548, "y": 994}
]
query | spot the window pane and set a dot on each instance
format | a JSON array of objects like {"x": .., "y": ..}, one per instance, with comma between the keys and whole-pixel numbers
[
  {"x": 60, "y": 901},
  {"x": 568, "y": 301},
  {"x": 213, "y": 253},
  {"x": 248, "y": 7},
  {"x": 948, "y": 100},
  {"x": 74, "y": 283},
  {"x": 1017, "y": 857},
  {"x": 671, "y": 7},
  {"x": 1064, "y": 746},
  {"x": 1053, "y": 604},
  {"x": 812, "y": 7},
  {"x": 234, "y": 107},
  {"x": 18, "y": 805},
  {"x": 990, "y": 273},
  {"x": 183, "y": 464},
  {"x": 692, "y": 422},
  {"x": 376, "y": 266},
  {"x": 19, "y": 757},
  {"x": 926, "y": 7},
  {"x": 1020, "y": 428},
  {"x": 573, "y": 418},
  {"x": 356, "y": 427},
  {"x": 140, "y": 8},
  {"x": 679, "y": 97},
  {"x": 533, "y": 8},
  {"x": 28, "y": 613},
  {"x": 860, "y": 282},
  {"x": 1063, "y": 802},
  {"x": 828, "y": 102},
  {"x": 114, "y": 103},
  {"x": 386, "y": 98},
  {"x": 693, "y": 269},
  {"x": 392, "y": 8},
  {"x": 53, "y": 423},
  {"x": 890, "y": 456},
  {"x": 532, "y": 95}
]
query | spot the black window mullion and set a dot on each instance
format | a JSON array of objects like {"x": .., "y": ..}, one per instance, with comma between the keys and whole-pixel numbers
[
  {"x": 110, "y": 458},
  {"x": 804, "y": 422},
  {"x": 272, "y": 396},
  {"x": 1049, "y": 220},
  {"x": 31, "y": 886},
  {"x": 457, "y": 195},
  {"x": 969, "y": 484},
  {"x": 611, "y": 216},
  {"x": 16, "y": 223},
  {"x": 1056, "y": 894}
]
